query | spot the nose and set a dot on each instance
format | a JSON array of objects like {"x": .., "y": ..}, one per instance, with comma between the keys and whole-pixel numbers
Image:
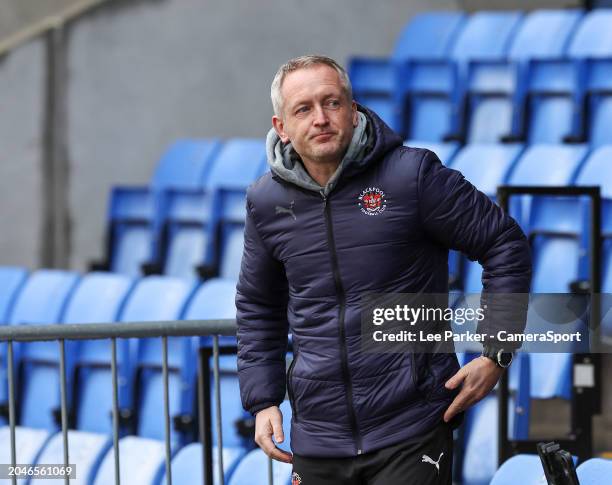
[{"x": 320, "y": 116}]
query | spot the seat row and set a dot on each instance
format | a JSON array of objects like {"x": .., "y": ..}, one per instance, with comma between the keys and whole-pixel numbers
[
  {"x": 54, "y": 296},
  {"x": 203, "y": 227},
  {"x": 541, "y": 77},
  {"x": 188, "y": 221},
  {"x": 50, "y": 296}
]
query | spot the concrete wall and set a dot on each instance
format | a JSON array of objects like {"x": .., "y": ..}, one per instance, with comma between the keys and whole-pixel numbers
[
  {"x": 21, "y": 136},
  {"x": 18, "y": 14}
]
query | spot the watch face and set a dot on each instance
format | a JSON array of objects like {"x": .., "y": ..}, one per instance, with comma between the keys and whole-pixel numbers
[{"x": 504, "y": 358}]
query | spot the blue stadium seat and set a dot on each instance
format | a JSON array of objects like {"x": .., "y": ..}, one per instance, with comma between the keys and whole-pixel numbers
[
  {"x": 230, "y": 213},
  {"x": 193, "y": 220},
  {"x": 433, "y": 90},
  {"x": 555, "y": 88},
  {"x": 231, "y": 248},
  {"x": 155, "y": 298},
  {"x": 28, "y": 444},
  {"x": 494, "y": 87},
  {"x": 41, "y": 300},
  {"x": 99, "y": 298},
  {"x": 546, "y": 165},
  {"x": 523, "y": 469},
  {"x": 187, "y": 464},
  {"x": 133, "y": 221},
  {"x": 86, "y": 450},
  {"x": 593, "y": 471},
  {"x": 597, "y": 103},
  {"x": 480, "y": 455},
  {"x": 142, "y": 462},
  {"x": 428, "y": 35},
  {"x": 486, "y": 166},
  {"x": 592, "y": 38},
  {"x": 43, "y": 297},
  {"x": 593, "y": 43},
  {"x": 185, "y": 165},
  {"x": 445, "y": 151},
  {"x": 550, "y": 165},
  {"x": 131, "y": 216},
  {"x": 376, "y": 81},
  {"x": 12, "y": 280},
  {"x": 597, "y": 170},
  {"x": 215, "y": 300},
  {"x": 253, "y": 469}
]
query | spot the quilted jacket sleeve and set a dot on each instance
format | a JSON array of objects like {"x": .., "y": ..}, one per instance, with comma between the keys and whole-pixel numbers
[
  {"x": 458, "y": 216},
  {"x": 261, "y": 303}
]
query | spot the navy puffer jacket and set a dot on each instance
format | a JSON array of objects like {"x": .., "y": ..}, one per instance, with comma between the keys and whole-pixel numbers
[{"x": 304, "y": 270}]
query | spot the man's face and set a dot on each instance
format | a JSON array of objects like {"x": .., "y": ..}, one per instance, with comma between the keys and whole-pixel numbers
[{"x": 317, "y": 117}]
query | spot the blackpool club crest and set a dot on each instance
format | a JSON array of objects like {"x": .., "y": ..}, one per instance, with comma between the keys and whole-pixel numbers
[{"x": 372, "y": 201}]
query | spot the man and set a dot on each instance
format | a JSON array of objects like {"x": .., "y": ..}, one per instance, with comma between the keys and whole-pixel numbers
[{"x": 345, "y": 210}]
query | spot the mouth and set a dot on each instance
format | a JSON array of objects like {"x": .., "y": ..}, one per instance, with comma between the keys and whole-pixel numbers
[{"x": 323, "y": 136}]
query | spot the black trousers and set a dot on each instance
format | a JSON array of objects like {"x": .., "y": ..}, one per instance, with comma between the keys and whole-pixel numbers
[{"x": 427, "y": 460}]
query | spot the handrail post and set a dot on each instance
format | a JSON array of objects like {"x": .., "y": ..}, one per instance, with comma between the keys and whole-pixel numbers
[
  {"x": 115, "y": 385},
  {"x": 218, "y": 405},
  {"x": 11, "y": 397},
  {"x": 204, "y": 414},
  {"x": 64, "y": 405},
  {"x": 168, "y": 430}
]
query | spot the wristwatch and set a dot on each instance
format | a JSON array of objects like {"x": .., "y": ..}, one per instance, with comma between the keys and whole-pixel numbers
[{"x": 499, "y": 356}]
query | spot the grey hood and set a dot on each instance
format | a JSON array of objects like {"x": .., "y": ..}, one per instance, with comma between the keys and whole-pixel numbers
[{"x": 286, "y": 163}]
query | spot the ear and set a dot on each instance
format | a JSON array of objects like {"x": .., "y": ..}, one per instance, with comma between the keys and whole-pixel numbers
[
  {"x": 355, "y": 115},
  {"x": 279, "y": 127}
]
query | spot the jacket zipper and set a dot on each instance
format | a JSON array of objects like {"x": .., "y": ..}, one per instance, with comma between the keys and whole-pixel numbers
[
  {"x": 342, "y": 301},
  {"x": 290, "y": 386}
]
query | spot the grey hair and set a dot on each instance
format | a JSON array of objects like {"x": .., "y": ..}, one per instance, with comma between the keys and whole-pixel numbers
[{"x": 304, "y": 62}]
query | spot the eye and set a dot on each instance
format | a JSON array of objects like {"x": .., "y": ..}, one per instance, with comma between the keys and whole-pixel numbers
[
  {"x": 333, "y": 103},
  {"x": 301, "y": 110}
]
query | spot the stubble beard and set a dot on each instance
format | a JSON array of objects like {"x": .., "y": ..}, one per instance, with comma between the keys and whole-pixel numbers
[{"x": 330, "y": 152}]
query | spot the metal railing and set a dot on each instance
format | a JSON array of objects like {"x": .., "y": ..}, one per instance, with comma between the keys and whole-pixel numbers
[
  {"x": 46, "y": 24},
  {"x": 113, "y": 331}
]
